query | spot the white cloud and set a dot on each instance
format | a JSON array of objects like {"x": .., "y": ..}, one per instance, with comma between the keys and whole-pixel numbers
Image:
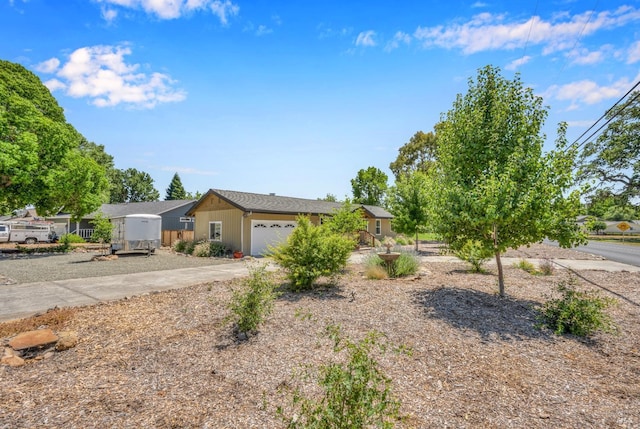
[
  {"x": 585, "y": 57},
  {"x": 365, "y": 38},
  {"x": 478, "y": 5},
  {"x": 487, "y": 31},
  {"x": 109, "y": 14},
  {"x": 172, "y": 9},
  {"x": 101, "y": 74},
  {"x": 48, "y": 66},
  {"x": 224, "y": 9},
  {"x": 634, "y": 53},
  {"x": 588, "y": 92},
  {"x": 399, "y": 37},
  {"x": 513, "y": 65},
  {"x": 263, "y": 30}
]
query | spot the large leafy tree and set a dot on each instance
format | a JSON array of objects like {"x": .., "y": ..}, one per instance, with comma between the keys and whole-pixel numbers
[
  {"x": 409, "y": 202},
  {"x": 41, "y": 159},
  {"x": 370, "y": 187},
  {"x": 613, "y": 160},
  {"x": 494, "y": 186},
  {"x": 175, "y": 191},
  {"x": 418, "y": 154},
  {"x": 131, "y": 186}
]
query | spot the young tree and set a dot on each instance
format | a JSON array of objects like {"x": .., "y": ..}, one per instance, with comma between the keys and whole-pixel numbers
[
  {"x": 346, "y": 221},
  {"x": 493, "y": 182},
  {"x": 369, "y": 187},
  {"x": 41, "y": 159},
  {"x": 614, "y": 158},
  {"x": 131, "y": 186},
  {"x": 416, "y": 155},
  {"x": 409, "y": 202},
  {"x": 175, "y": 191}
]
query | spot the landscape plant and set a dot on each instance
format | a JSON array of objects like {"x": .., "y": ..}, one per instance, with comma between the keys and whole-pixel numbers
[
  {"x": 201, "y": 250},
  {"x": 473, "y": 252},
  {"x": 253, "y": 301},
  {"x": 355, "y": 393},
  {"x": 527, "y": 266},
  {"x": 71, "y": 238},
  {"x": 576, "y": 312},
  {"x": 102, "y": 229},
  {"x": 310, "y": 252},
  {"x": 492, "y": 182}
]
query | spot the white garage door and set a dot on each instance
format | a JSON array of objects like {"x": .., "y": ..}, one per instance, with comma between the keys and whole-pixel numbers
[{"x": 266, "y": 233}]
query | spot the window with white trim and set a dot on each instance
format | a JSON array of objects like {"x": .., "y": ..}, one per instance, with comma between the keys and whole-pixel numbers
[
  {"x": 378, "y": 227},
  {"x": 215, "y": 231}
]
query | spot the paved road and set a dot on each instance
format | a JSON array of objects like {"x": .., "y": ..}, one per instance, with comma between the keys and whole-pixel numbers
[{"x": 626, "y": 254}]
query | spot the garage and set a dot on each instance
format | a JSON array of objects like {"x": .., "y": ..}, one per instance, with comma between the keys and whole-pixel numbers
[{"x": 265, "y": 233}]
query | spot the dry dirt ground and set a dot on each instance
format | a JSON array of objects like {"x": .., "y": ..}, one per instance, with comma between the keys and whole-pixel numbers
[{"x": 169, "y": 360}]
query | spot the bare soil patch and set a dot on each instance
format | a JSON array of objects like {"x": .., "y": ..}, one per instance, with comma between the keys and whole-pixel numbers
[{"x": 167, "y": 359}]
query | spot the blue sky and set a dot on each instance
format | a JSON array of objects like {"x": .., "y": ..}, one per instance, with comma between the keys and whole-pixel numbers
[{"x": 296, "y": 97}]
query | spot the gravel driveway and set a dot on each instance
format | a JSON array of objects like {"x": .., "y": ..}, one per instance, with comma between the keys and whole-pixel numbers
[{"x": 16, "y": 269}]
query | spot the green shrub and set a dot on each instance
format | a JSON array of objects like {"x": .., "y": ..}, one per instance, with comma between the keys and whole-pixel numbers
[
  {"x": 102, "y": 229},
  {"x": 71, "y": 239},
  {"x": 311, "y": 252},
  {"x": 577, "y": 313},
  {"x": 374, "y": 267},
  {"x": 406, "y": 265},
  {"x": 356, "y": 394},
  {"x": 252, "y": 303},
  {"x": 473, "y": 253},
  {"x": 217, "y": 249},
  {"x": 190, "y": 246},
  {"x": 401, "y": 240},
  {"x": 527, "y": 266},
  {"x": 179, "y": 246}
]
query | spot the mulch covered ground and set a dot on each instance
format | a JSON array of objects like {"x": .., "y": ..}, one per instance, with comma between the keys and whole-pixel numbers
[{"x": 171, "y": 359}]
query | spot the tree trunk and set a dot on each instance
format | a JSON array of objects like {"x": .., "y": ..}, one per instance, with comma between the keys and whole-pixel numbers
[
  {"x": 498, "y": 261},
  {"x": 500, "y": 274},
  {"x": 416, "y": 241}
]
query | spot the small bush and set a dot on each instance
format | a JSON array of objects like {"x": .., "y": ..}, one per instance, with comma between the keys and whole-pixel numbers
[
  {"x": 401, "y": 240},
  {"x": 201, "y": 250},
  {"x": 179, "y": 246},
  {"x": 252, "y": 303},
  {"x": 190, "y": 246},
  {"x": 406, "y": 265},
  {"x": 577, "y": 313},
  {"x": 546, "y": 267},
  {"x": 527, "y": 266},
  {"x": 311, "y": 252},
  {"x": 217, "y": 249},
  {"x": 356, "y": 393},
  {"x": 71, "y": 239},
  {"x": 374, "y": 268},
  {"x": 473, "y": 253}
]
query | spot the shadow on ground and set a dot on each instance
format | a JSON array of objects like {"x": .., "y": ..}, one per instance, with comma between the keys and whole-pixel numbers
[{"x": 491, "y": 317}]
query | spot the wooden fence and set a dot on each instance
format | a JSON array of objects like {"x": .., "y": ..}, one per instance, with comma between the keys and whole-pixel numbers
[{"x": 170, "y": 237}]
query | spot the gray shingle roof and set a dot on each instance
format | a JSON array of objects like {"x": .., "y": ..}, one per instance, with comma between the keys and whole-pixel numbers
[
  {"x": 150, "y": 207},
  {"x": 266, "y": 203}
]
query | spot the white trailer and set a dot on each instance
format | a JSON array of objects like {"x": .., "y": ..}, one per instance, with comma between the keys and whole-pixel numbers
[
  {"x": 17, "y": 232},
  {"x": 136, "y": 233}
]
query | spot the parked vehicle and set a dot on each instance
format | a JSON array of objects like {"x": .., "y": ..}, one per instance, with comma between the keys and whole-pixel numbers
[
  {"x": 28, "y": 233},
  {"x": 136, "y": 233}
]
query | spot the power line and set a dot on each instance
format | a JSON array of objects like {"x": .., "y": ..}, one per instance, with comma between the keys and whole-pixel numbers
[{"x": 605, "y": 114}]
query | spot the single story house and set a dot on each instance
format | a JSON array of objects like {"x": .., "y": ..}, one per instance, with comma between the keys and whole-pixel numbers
[
  {"x": 249, "y": 223},
  {"x": 173, "y": 213}
]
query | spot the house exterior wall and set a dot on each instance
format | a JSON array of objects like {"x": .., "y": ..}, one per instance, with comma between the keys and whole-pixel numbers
[
  {"x": 246, "y": 225},
  {"x": 171, "y": 219},
  {"x": 385, "y": 226}
]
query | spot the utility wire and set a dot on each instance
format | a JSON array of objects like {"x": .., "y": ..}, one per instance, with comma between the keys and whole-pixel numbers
[{"x": 605, "y": 114}]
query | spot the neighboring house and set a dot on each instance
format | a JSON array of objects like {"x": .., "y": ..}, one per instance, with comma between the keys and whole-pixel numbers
[
  {"x": 249, "y": 222},
  {"x": 173, "y": 213}
]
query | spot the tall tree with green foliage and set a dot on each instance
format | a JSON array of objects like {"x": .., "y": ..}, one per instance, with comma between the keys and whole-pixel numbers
[
  {"x": 418, "y": 154},
  {"x": 41, "y": 159},
  {"x": 613, "y": 160},
  {"x": 409, "y": 202},
  {"x": 132, "y": 186},
  {"x": 175, "y": 191},
  {"x": 493, "y": 184},
  {"x": 370, "y": 187}
]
